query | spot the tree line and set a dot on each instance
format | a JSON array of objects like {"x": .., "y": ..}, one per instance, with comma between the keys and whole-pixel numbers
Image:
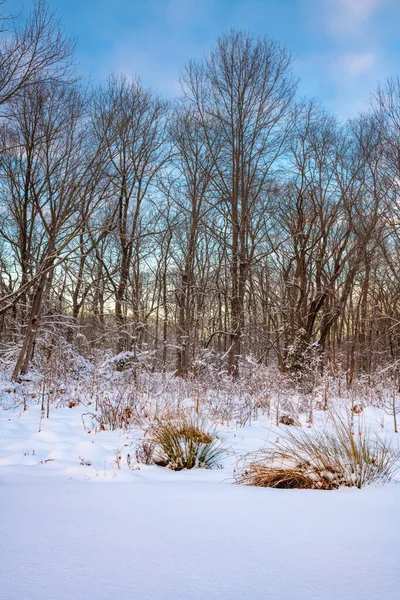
[{"x": 236, "y": 221}]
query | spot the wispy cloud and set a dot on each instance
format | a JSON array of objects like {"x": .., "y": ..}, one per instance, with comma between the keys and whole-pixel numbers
[
  {"x": 183, "y": 12},
  {"x": 353, "y": 49},
  {"x": 357, "y": 63},
  {"x": 344, "y": 17}
]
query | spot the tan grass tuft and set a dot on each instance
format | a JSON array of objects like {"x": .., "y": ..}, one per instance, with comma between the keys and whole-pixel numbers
[
  {"x": 323, "y": 459},
  {"x": 184, "y": 443}
]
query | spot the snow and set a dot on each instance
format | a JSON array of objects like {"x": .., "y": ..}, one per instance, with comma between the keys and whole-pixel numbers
[
  {"x": 79, "y": 531},
  {"x": 193, "y": 540}
]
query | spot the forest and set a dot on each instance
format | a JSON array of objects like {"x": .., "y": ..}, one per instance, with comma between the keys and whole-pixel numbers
[{"x": 236, "y": 223}]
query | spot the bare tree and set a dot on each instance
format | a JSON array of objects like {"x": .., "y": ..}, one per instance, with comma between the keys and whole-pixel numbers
[
  {"x": 52, "y": 180},
  {"x": 326, "y": 221},
  {"x": 132, "y": 122},
  {"x": 32, "y": 51},
  {"x": 194, "y": 171},
  {"x": 241, "y": 95}
]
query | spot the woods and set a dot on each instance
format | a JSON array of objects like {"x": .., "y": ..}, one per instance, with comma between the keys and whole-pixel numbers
[
  {"x": 238, "y": 222},
  {"x": 199, "y": 300}
]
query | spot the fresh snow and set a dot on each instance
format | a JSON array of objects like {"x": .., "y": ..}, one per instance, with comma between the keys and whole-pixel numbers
[{"x": 72, "y": 531}]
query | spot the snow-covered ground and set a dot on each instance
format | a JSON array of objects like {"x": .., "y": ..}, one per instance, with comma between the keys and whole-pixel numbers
[
  {"x": 192, "y": 540},
  {"x": 75, "y": 526}
]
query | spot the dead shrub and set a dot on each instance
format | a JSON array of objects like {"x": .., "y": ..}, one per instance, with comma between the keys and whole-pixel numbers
[
  {"x": 323, "y": 459},
  {"x": 114, "y": 413},
  {"x": 185, "y": 443},
  {"x": 144, "y": 452}
]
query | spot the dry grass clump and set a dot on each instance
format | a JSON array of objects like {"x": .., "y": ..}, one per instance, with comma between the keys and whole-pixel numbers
[
  {"x": 184, "y": 443},
  {"x": 323, "y": 459},
  {"x": 265, "y": 473}
]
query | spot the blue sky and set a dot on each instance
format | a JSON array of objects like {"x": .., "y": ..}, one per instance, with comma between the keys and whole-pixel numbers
[{"x": 342, "y": 47}]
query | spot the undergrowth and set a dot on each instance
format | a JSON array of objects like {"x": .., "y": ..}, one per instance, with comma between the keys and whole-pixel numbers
[{"x": 323, "y": 459}]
